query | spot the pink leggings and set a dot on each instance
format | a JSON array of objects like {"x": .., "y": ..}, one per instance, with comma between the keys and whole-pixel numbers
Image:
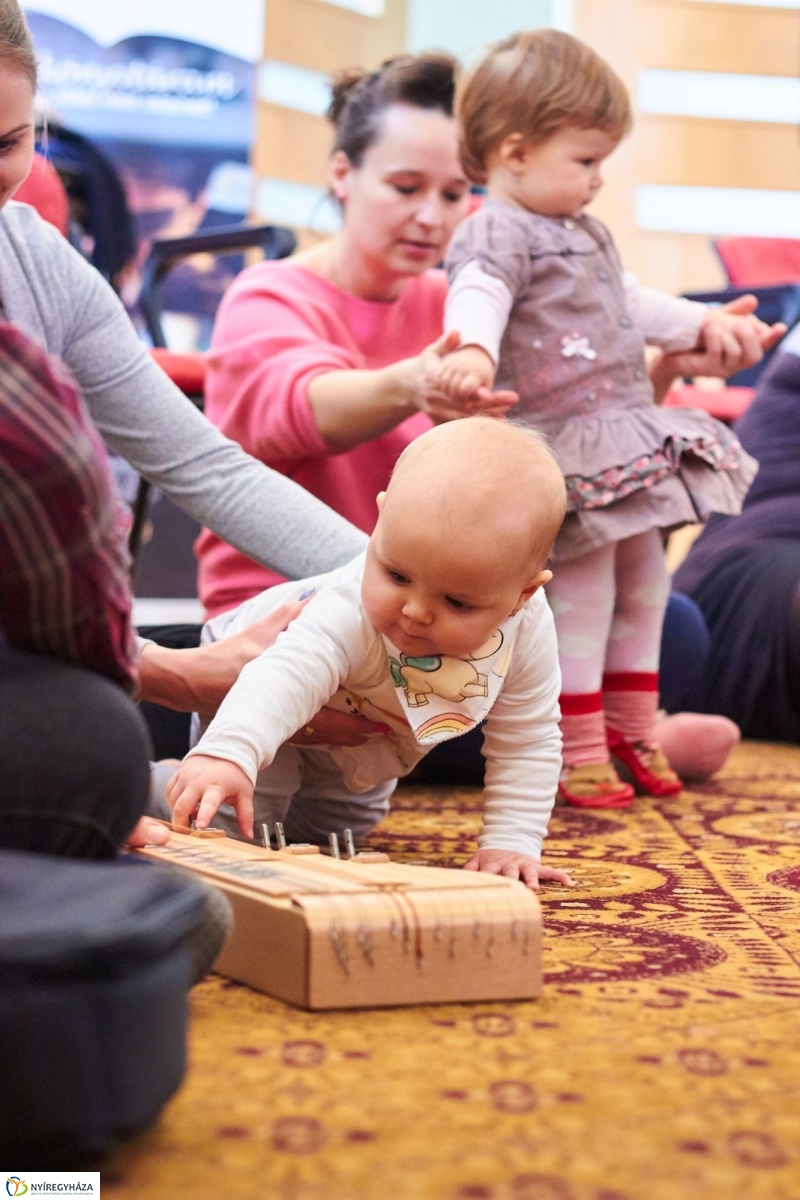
[{"x": 609, "y": 609}]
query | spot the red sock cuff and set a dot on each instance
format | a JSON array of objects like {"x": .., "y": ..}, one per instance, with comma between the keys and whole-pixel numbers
[
  {"x": 630, "y": 681},
  {"x": 578, "y": 704}
]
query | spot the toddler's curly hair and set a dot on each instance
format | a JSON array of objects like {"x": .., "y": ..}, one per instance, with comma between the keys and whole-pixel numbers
[{"x": 536, "y": 83}]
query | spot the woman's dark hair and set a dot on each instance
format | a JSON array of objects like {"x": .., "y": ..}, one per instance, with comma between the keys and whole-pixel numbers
[
  {"x": 360, "y": 98},
  {"x": 16, "y": 44}
]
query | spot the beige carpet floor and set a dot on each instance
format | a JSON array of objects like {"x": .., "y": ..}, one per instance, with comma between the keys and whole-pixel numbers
[{"x": 662, "y": 1063}]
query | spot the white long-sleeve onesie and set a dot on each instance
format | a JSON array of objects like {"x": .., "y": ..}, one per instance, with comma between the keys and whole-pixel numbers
[{"x": 332, "y": 655}]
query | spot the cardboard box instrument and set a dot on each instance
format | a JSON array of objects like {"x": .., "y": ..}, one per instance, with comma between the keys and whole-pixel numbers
[{"x": 323, "y": 932}]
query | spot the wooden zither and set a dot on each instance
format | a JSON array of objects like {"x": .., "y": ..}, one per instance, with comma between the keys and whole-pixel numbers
[{"x": 363, "y": 931}]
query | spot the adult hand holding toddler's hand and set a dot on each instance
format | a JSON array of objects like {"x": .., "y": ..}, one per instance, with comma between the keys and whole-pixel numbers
[
  {"x": 426, "y": 378},
  {"x": 467, "y": 372},
  {"x": 202, "y": 783},
  {"x": 514, "y": 865},
  {"x": 718, "y": 357},
  {"x": 737, "y": 336}
]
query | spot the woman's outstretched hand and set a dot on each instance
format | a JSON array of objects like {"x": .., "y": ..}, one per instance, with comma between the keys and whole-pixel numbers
[
  {"x": 424, "y": 378},
  {"x": 330, "y": 727},
  {"x": 198, "y": 680}
]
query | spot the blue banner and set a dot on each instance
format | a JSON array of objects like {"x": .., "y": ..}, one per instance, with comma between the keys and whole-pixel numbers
[{"x": 175, "y": 117}]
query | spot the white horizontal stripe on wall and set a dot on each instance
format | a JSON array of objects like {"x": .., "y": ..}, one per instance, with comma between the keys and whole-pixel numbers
[
  {"x": 752, "y": 212},
  {"x": 297, "y": 205},
  {"x": 561, "y": 15},
  {"x": 294, "y": 87},
  {"x": 367, "y": 8},
  {"x": 772, "y": 98},
  {"x": 755, "y": 3},
  {"x": 167, "y": 612}
]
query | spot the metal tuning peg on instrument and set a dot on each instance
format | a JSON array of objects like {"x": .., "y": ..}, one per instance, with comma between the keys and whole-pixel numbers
[
  {"x": 333, "y": 842},
  {"x": 361, "y": 856},
  {"x": 280, "y": 836}
]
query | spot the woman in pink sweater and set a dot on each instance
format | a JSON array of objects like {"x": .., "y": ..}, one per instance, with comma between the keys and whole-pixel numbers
[{"x": 325, "y": 366}]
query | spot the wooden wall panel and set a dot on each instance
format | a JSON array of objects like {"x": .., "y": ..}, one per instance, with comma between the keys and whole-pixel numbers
[
  {"x": 319, "y": 37},
  {"x": 675, "y": 262},
  {"x": 698, "y": 37},
  {"x": 718, "y": 37},
  {"x": 292, "y": 145},
  {"x": 682, "y": 35},
  {"x": 324, "y": 37},
  {"x": 718, "y": 153}
]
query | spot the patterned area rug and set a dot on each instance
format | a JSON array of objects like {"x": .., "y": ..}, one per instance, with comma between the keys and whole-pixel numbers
[{"x": 662, "y": 1063}]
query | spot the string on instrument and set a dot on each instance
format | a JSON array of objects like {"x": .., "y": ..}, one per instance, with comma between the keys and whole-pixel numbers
[{"x": 404, "y": 898}]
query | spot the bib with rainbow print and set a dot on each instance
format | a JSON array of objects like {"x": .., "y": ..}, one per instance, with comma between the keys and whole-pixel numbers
[{"x": 443, "y": 697}]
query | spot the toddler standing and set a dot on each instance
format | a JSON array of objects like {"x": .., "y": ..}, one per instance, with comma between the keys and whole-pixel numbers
[
  {"x": 544, "y": 308},
  {"x": 442, "y": 625}
]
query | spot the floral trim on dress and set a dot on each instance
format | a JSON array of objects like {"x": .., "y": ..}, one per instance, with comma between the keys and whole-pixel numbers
[{"x": 616, "y": 483}]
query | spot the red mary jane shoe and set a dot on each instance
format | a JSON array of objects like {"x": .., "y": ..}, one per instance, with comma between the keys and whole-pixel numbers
[
  {"x": 648, "y": 765},
  {"x": 595, "y": 785}
]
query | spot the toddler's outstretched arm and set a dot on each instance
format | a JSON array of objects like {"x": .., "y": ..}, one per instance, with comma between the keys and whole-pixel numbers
[
  {"x": 273, "y": 697},
  {"x": 478, "y": 306}
]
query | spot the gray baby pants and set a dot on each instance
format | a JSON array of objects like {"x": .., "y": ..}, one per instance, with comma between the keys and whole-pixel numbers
[{"x": 305, "y": 789}]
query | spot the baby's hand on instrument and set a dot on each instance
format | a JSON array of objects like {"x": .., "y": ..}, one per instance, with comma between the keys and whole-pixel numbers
[
  {"x": 514, "y": 865},
  {"x": 202, "y": 783}
]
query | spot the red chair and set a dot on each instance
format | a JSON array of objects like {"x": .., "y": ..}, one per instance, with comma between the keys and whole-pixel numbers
[
  {"x": 759, "y": 261},
  {"x": 726, "y": 404},
  {"x": 44, "y": 191},
  {"x": 188, "y": 371}
]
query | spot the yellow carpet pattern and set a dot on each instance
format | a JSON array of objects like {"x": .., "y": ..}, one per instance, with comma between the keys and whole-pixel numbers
[{"x": 662, "y": 1063}]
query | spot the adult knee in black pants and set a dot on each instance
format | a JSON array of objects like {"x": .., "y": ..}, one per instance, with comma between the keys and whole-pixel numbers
[{"x": 74, "y": 751}]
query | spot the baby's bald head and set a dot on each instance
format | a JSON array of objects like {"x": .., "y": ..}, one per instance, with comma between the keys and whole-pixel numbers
[
  {"x": 465, "y": 530},
  {"x": 492, "y": 483}
]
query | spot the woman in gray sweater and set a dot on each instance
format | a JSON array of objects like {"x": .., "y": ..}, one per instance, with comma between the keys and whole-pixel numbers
[
  {"x": 51, "y": 294},
  {"x": 58, "y": 299}
]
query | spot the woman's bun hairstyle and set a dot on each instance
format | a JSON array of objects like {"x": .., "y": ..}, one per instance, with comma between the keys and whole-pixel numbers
[
  {"x": 16, "y": 44},
  {"x": 341, "y": 90},
  {"x": 359, "y": 97}
]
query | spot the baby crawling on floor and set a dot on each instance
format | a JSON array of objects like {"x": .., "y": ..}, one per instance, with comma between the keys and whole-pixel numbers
[{"x": 441, "y": 625}]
